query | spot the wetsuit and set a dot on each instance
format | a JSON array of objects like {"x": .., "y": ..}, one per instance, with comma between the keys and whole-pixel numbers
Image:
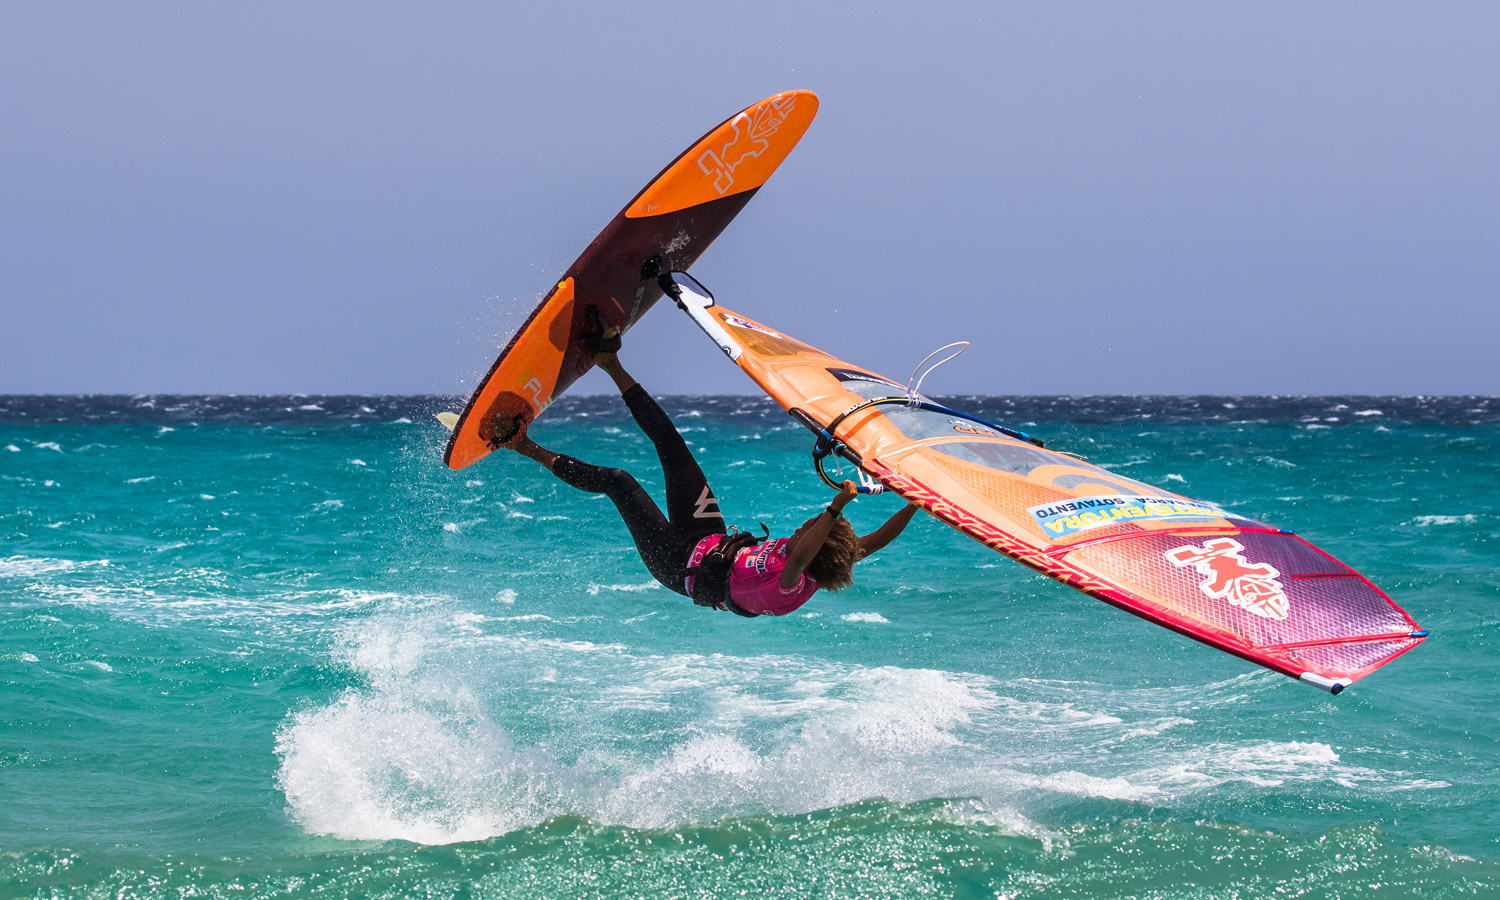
[{"x": 693, "y": 513}]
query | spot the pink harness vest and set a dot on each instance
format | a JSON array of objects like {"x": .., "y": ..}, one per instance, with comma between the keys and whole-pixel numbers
[{"x": 755, "y": 579}]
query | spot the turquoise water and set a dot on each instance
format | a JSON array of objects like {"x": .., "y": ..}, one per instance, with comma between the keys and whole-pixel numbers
[{"x": 255, "y": 647}]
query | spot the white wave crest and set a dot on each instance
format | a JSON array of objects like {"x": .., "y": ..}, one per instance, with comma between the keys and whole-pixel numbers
[
  {"x": 1429, "y": 521},
  {"x": 26, "y": 567},
  {"x": 422, "y": 754},
  {"x": 594, "y": 589},
  {"x": 380, "y": 767},
  {"x": 463, "y": 733}
]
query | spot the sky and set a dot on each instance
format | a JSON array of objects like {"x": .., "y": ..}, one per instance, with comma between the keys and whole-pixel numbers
[{"x": 1103, "y": 198}]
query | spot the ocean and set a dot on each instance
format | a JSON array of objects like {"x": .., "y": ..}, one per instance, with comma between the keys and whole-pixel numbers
[{"x": 270, "y": 646}]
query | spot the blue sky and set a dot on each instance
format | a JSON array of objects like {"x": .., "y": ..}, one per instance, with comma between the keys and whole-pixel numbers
[{"x": 1103, "y": 198}]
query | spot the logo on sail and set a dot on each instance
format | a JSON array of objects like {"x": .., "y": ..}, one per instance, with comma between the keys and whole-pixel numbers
[
  {"x": 1229, "y": 576},
  {"x": 746, "y": 324},
  {"x": 1062, "y": 518}
]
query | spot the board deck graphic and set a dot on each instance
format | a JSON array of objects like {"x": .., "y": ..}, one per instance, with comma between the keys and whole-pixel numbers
[
  {"x": 674, "y": 219},
  {"x": 1258, "y": 592}
]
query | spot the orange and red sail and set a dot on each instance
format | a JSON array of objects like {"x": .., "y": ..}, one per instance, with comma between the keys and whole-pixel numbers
[{"x": 1255, "y": 591}]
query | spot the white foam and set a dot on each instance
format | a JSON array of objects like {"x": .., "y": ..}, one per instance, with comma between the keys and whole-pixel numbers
[
  {"x": 450, "y": 526},
  {"x": 208, "y": 601},
  {"x": 1260, "y": 763},
  {"x": 1369, "y": 412},
  {"x": 27, "y": 567},
  {"x": 101, "y": 666},
  {"x": 1080, "y": 784},
  {"x": 358, "y": 462},
  {"x": 418, "y": 756},
  {"x": 142, "y": 480},
  {"x": 28, "y": 657},
  {"x": 469, "y": 622},
  {"x": 506, "y": 595},
  {"x": 49, "y": 445},
  {"x": 13, "y": 448},
  {"x": 873, "y": 617},
  {"x": 432, "y": 749},
  {"x": 1429, "y": 521},
  {"x": 594, "y": 589},
  {"x": 382, "y": 767},
  {"x": 1277, "y": 463}
]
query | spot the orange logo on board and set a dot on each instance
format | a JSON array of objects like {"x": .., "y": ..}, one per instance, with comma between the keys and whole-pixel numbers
[{"x": 1252, "y": 586}]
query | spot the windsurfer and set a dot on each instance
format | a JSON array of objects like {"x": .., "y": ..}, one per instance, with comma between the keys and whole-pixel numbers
[{"x": 773, "y": 578}]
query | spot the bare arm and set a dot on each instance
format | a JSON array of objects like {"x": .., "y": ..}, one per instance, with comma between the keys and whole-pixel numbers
[
  {"x": 889, "y": 531},
  {"x": 806, "y": 545}
]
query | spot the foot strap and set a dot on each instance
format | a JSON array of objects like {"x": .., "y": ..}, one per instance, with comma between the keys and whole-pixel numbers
[{"x": 595, "y": 340}]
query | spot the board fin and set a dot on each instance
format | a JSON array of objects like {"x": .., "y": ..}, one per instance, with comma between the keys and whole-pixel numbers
[{"x": 449, "y": 420}]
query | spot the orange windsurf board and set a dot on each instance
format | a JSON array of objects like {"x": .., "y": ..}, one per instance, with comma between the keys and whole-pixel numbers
[{"x": 669, "y": 223}]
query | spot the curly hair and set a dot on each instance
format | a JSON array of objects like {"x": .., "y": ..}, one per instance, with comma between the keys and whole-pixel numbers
[{"x": 833, "y": 567}]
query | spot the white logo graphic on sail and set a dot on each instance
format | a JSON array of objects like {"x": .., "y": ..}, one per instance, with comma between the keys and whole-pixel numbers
[
  {"x": 1250, "y": 586},
  {"x": 746, "y": 324},
  {"x": 749, "y": 141}
]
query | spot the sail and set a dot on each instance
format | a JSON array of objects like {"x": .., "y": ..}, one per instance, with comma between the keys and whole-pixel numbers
[{"x": 1250, "y": 589}]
